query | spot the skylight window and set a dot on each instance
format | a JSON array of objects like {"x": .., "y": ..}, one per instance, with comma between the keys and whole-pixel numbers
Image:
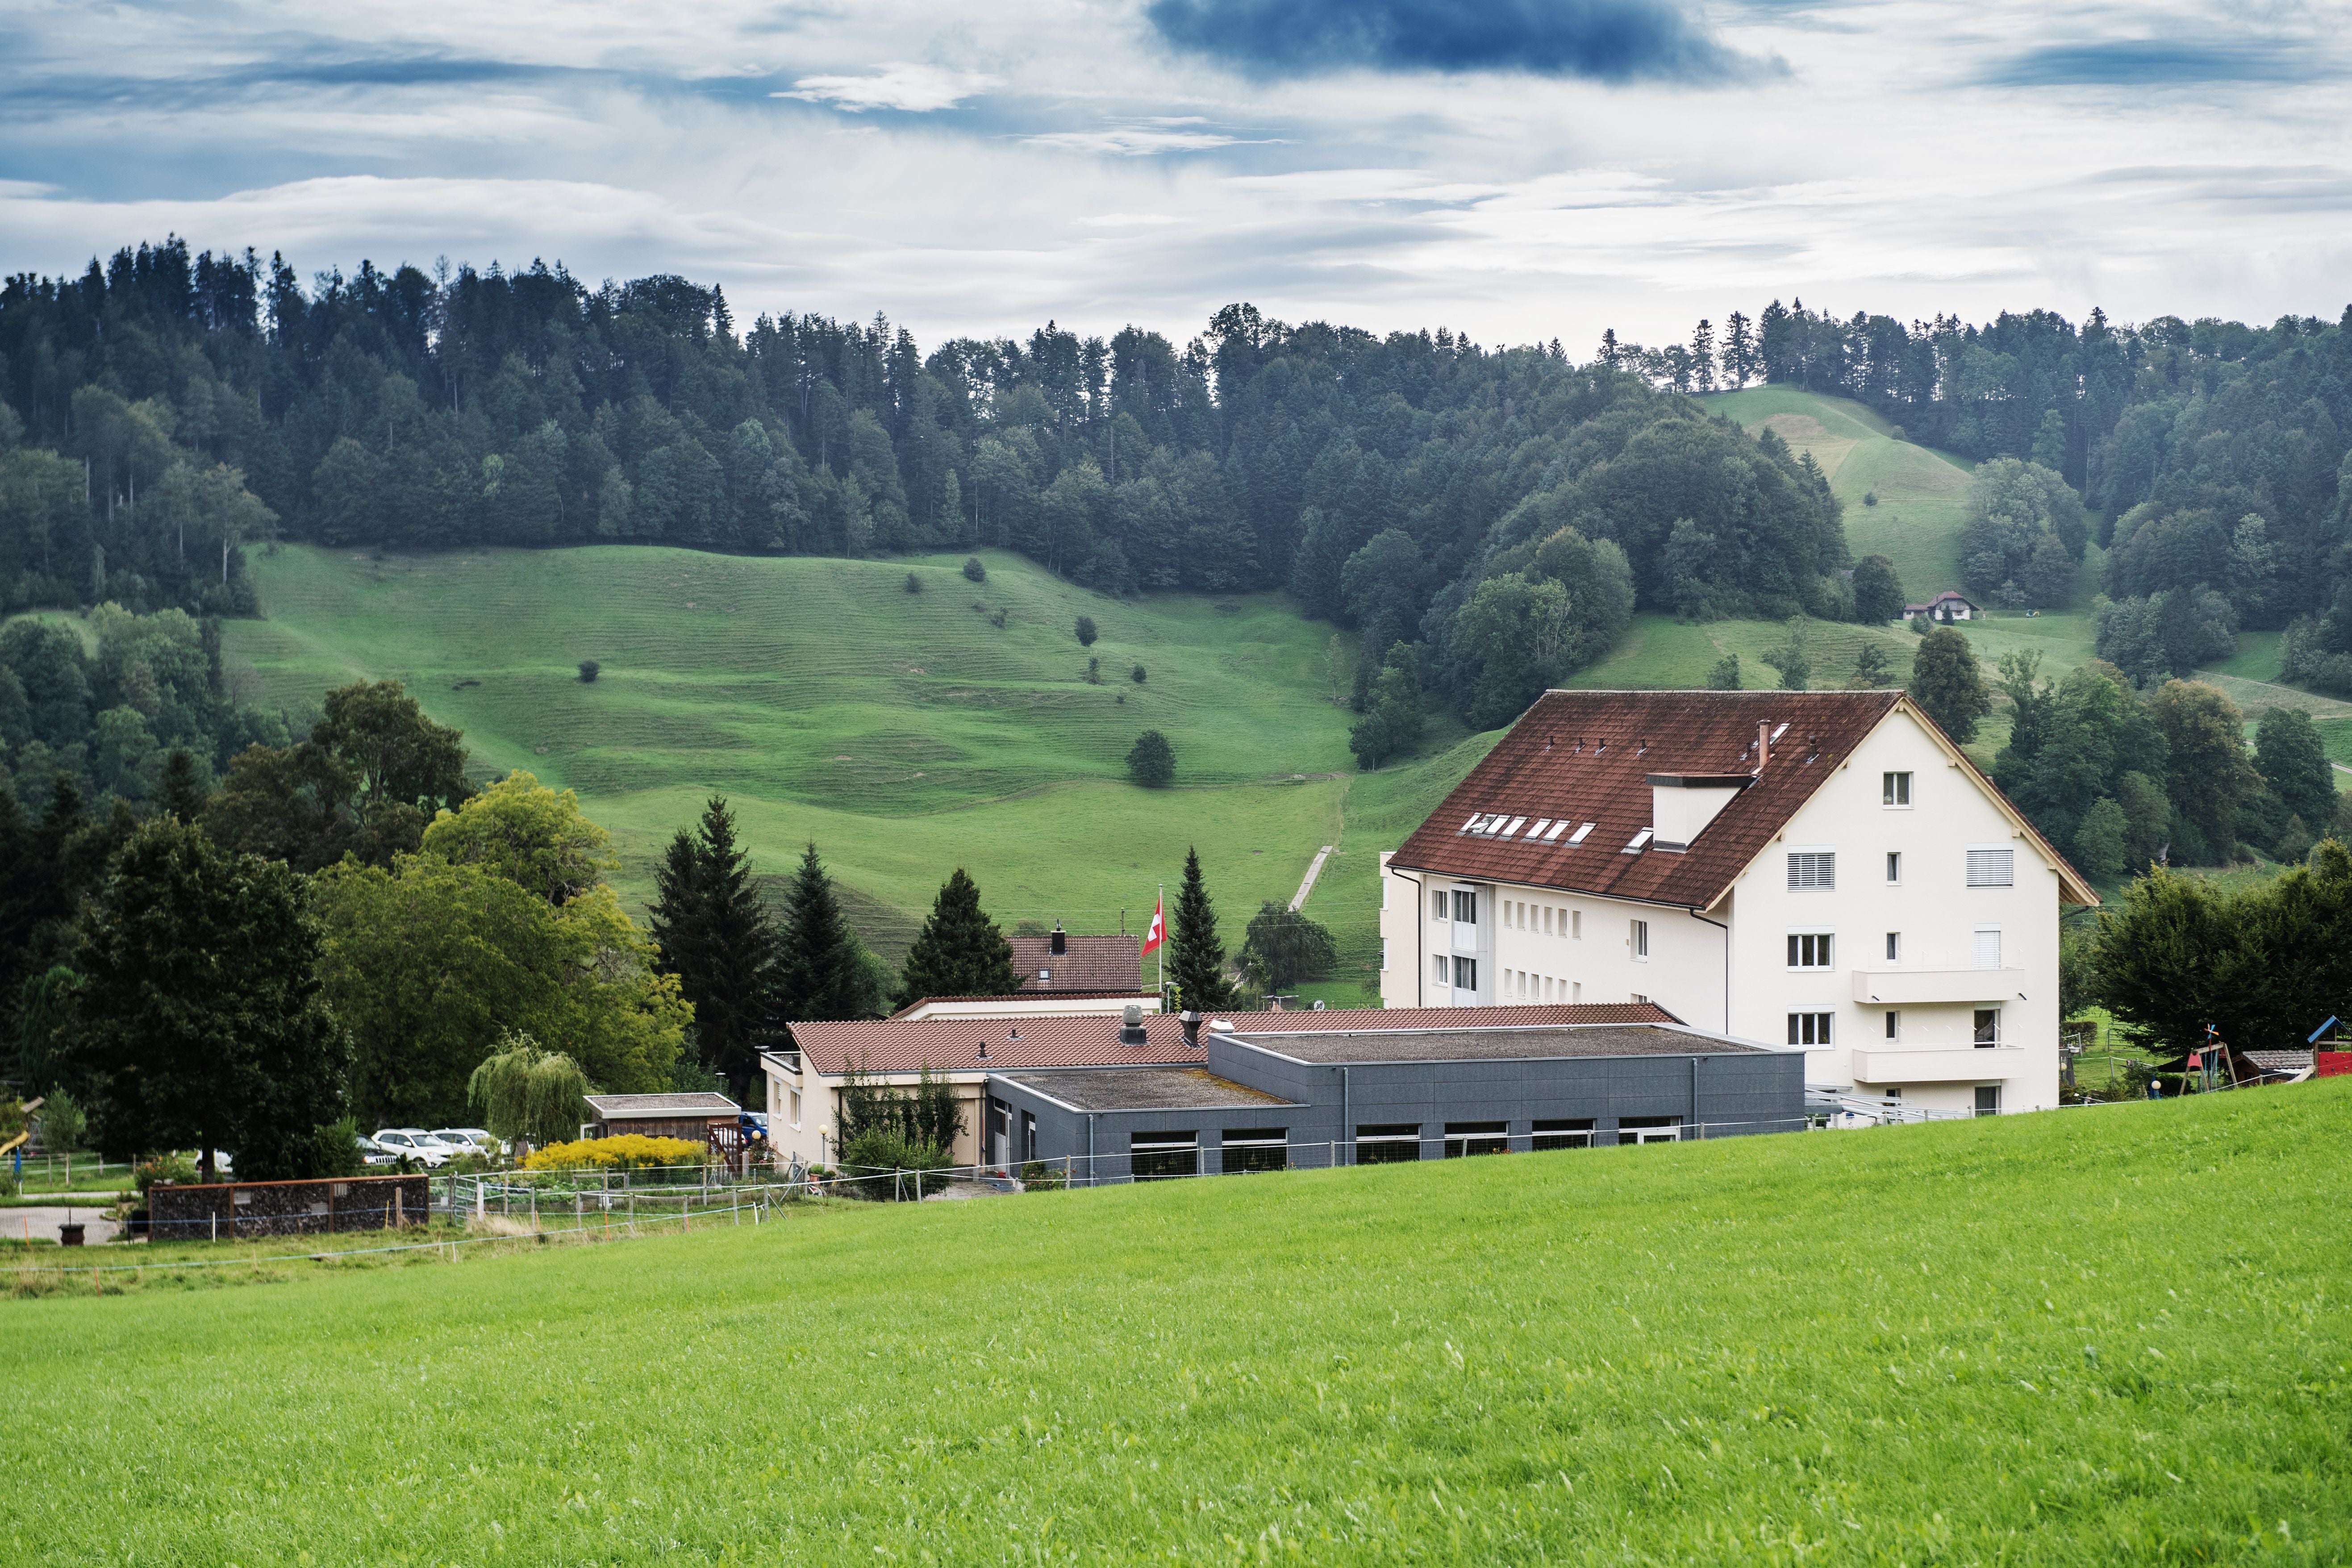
[
  {"x": 1640, "y": 839},
  {"x": 1537, "y": 831},
  {"x": 1577, "y": 838},
  {"x": 1778, "y": 732},
  {"x": 1472, "y": 825},
  {"x": 1515, "y": 823},
  {"x": 1557, "y": 828}
]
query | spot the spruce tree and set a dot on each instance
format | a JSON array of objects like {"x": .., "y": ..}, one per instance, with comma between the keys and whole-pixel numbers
[
  {"x": 821, "y": 972},
  {"x": 1196, "y": 959},
  {"x": 959, "y": 951},
  {"x": 715, "y": 936},
  {"x": 182, "y": 791}
]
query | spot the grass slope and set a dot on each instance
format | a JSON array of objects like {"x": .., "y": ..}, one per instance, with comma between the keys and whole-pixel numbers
[
  {"x": 904, "y": 732},
  {"x": 2093, "y": 1336}
]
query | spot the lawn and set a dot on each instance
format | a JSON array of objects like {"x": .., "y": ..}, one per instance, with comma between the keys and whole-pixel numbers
[
  {"x": 2088, "y": 1336},
  {"x": 906, "y": 733}
]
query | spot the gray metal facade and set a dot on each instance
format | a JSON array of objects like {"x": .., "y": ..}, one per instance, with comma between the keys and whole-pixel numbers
[{"x": 1703, "y": 1086}]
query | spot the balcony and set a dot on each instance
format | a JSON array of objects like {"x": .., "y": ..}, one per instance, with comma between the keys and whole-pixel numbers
[
  {"x": 1920, "y": 987},
  {"x": 1938, "y": 1064}
]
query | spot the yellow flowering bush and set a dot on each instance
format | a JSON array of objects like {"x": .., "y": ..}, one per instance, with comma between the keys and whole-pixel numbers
[{"x": 626, "y": 1152}]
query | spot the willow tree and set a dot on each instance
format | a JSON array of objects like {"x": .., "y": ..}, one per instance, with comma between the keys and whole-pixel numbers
[{"x": 527, "y": 1095}]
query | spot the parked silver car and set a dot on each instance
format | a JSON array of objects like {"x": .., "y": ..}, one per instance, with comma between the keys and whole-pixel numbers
[
  {"x": 471, "y": 1140},
  {"x": 416, "y": 1145}
]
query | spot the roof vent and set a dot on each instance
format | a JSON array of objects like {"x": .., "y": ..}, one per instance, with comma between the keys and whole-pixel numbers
[
  {"x": 983, "y": 1048},
  {"x": 1015, "y": 1034},
  {"x": 1061, "y": 940},
  {"x": 1191, "y": 1025},
  {"x": 1130, "y": 1027},
  {"x": 1220, "y": 1027}
]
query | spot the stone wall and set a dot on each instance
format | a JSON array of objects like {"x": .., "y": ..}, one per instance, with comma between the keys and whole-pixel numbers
[{"x": 238, "y": 1210}]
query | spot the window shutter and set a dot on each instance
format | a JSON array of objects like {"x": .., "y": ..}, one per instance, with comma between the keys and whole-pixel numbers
[
  {"x": 1988, "y": 948},
  {"x": 1813, "y": 870},
  {"x": 1992, "y": 868}
]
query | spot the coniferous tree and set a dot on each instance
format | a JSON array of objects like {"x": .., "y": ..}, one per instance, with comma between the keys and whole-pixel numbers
[
  {"x": 959, "y": 951},
  {"x": 182, "y": 792},
  {"x": 822, "y": 971},
  {"x": 715, "y": 936},
  {"x": 1196, "y": 958}
]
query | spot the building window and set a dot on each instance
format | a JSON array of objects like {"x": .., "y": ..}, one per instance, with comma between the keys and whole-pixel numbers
[
  {"x": 1443, "y": 973},
  {"x": 797, "y": 1108},
  {"x": 1576, "y": 924},
  {"x": 1562, "y": 1135},
  {"x": 1813, "y": 870},
  {"x": 1894, "y": 947},
  {"x": 1477, "y": 1138},
  {"x": 1809, "y": 950},
  {"x": 1988, "y": 1099},
  {"x": 1992, "y": 868},
  {"x": 1466, "y": 974},
  {"x": 1988, "y": 1027},
  {"x": 1575, "y": 991},
  {"x": 1987, "y": 947},
  {"x": 1893, "y": 866},
  {"x": 1895, "y": 788},
  {"x": 1159, "y": 1156},
  {"x": 1649, "y": 1129},
  {"x": 1641, "y": 940},
  {"x": 1893, "y": 1025},
  {"x": 1251, "y": 1149},
  {"x": 1028, "y": 1136},
  {"x": 1547, "y": 919},
  {"x": 1466, "y": 906},
  {"x": 1809, "y": 1029},
  {"x": 1387, "y": 1142},
  {"x": 1437, "y": 906}
]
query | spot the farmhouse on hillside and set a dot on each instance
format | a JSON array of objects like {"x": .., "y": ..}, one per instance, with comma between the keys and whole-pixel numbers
[
  {"x": 1060, "y": 962},
  {"x": 1819, "y": 869},
  {"x": 1284, "y": 1091},
  {"x": 972, "y": 1042},
  {"x": 1949, "y": 605}
]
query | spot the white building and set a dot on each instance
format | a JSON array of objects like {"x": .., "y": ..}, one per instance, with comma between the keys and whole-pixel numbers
[{"x": 1818, "y": 869}]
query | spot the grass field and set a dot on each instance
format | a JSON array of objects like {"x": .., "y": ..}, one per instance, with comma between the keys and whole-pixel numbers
[{"x": 2115, "y": 1335}]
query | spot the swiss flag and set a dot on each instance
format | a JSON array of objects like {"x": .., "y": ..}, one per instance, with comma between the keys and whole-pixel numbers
[{"x": 1158, "y": 932}]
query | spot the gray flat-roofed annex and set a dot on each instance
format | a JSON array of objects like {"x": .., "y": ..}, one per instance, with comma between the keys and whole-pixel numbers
[
  {"x": 1332, "y": 1048},
  {"x": 1146, "y": 1089}
]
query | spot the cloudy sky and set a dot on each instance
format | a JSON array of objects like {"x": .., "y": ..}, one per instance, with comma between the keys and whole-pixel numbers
[{"x": 1519, "y": 169}]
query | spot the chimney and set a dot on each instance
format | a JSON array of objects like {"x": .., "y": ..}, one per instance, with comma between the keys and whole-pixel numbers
[
  {"x": 1130, "y": 1027},
  {"x": 983, "y": 1048},
  {"x": 1763, "y": 744},
  {"x": 1191, "y": 1022},
  {"x": 1061, "y": 940}
]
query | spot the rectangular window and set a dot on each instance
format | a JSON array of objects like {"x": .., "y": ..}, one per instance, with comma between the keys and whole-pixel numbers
[
  {"x": 1466, "y": 974},
  {"x": 1562, "y": 1135},
  {"x": 1576, "y": 924},
  {"x": 1445, "y": 974},
  {"x": 1575, "y": 991},
  {"x": 1992, "y": 868},
  {"x": 1477, "y": 1138},
  {"x": 1988, "y": 1027},
  {"x": 1893, "y": 1025},
  {"x": 1387, "y": 1143},
  {"x": 1987, "y": 947},
  {"x": 1466, "y": 906},
  {"x": 1384, "y": 955},
  {"x": 1437, "y": 906},
  {"x": 1897, "y": 788},
  {"x": 1028, "y": 1135},
  {"x": 797, "y": 1108},
  {"x": 1813, "y": 870},
  {"x": 1809, "y": 1029},
  {"x": 1894, "y": 947},
  {"x": 1988, "y": 1099},
  {"x": 1158, "y": 1156},
  {"x": 1641, "y": 940},
  {"x": 1577, "y": 838},
  {"x": 1249, "y": 1149},
  {"x": 1893, "y": 866},
  {"x": 1809, "y": 950},
  {"x": 1649, "y": 1129}
]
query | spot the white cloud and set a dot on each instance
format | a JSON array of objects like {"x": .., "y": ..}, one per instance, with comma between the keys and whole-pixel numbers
[{"x": 911, "y": 89}]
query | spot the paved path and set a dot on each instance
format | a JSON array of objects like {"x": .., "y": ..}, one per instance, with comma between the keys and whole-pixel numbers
[
  {"x": 41, "y": 1225},
  {"x": 1314, "y": 870}
]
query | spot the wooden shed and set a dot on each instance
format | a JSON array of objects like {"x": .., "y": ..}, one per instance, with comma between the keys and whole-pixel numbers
[{"x": 688, "y": 1116}]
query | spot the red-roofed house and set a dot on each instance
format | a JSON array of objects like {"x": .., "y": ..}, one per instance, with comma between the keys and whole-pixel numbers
[
  {"x": 1823, "y": 868},
  {"x": 804, "y": 1083}
]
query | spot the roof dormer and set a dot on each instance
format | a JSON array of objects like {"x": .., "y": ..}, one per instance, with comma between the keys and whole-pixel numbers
[{"x": 1681, "y": 805}]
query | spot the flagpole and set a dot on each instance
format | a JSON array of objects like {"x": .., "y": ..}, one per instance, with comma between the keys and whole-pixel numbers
[{"x": 1160, "y": 909}]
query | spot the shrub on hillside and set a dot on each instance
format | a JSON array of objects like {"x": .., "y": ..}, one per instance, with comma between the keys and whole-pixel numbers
[
  {"x": 973, "y": 571},
  {"x": 624, "y": 1152},
  {"x": 914, "y": 584},
  {"x": 589, "y": 670},
  {"x": 1136, "y": 675},
  {"x": 1086, "y": 632}
]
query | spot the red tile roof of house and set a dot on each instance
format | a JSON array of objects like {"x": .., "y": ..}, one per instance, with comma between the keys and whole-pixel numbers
[
  {"x": 1587, "y": 756},
  {"x": 1112, "y": 999},
  {"x": 1091, "y": 962},
  {"x": 952, "y": 1045}
]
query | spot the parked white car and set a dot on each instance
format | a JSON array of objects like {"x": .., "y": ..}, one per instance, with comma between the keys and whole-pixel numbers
[
  {"x": 469, "y": 1141},
  {"x": 416, "y": 1143}
]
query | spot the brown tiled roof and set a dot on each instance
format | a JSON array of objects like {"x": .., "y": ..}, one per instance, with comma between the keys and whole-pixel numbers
[
  {"x": 1092, "y": 962},
  {"x": 1112, "y": 998},
  {"x": 1587, "y": 756},
  {"x": 952, "y": 1045},
  {"x": 694, "y": 1102}
]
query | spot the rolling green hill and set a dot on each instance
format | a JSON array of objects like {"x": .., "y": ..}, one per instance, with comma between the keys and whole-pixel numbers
[
  {"x": 907, "y": 733},
  {"x": 2092, "y": 1336}
]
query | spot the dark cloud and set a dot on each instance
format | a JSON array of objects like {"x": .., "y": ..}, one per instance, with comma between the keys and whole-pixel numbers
[
  {"x": 2161, "y": 63},
  {"x": 1608, "y": 40}
]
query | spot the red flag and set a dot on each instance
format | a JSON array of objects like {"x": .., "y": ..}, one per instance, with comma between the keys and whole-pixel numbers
[{"x": 1158, "y": 932}]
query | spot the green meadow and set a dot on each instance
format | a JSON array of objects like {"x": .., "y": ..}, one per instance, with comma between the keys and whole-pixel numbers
[
  {"x": 2096, "y": 1336},
  {"x": 904, "y": 732}
]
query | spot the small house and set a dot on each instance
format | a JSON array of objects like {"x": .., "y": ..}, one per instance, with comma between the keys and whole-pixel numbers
[
  {"x": 688, "y": 1116},
  {"x": 1060, "y": 962},
  {"x": 1947, "y": 605}
]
